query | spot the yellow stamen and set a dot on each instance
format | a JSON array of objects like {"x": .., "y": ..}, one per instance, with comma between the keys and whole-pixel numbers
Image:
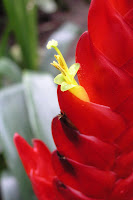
[
  {"x": 61, "y": 64},
  {"x": 52, "y": 43},
  {"x": 66, "y": 78},
  {"x": 57, "y": 66},
  {"x": 59, "y": 60}
]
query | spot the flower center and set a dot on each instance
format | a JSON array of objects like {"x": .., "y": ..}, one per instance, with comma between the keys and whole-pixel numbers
[{"x": 66, "y": 78}]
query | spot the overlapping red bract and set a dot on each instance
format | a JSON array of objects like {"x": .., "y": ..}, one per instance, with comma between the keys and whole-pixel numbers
[{"x": 94, "y": 156}]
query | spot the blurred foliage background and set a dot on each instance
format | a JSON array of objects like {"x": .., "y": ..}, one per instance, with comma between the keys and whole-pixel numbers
[{"x": 28, "y": 100}]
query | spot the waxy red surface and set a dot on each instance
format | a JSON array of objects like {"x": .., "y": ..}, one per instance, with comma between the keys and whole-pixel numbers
[{"x": 94, "y": 140}]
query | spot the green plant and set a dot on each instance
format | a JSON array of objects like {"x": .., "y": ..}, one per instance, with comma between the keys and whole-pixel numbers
[{"x": 23, "y": 22}]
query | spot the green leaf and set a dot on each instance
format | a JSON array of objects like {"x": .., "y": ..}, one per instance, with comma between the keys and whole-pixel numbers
[
  {"x": 14, "y": 118},
  {"x": 42, "y": 104},
  {"x": 9, "y": 187},
  {"x": 22, "y": 18},
  {"x": 4, "y": 41},
  {"x": 9, "y": 70}
]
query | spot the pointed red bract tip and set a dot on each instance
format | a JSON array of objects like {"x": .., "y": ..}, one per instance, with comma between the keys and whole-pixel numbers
[
  {"x": 44, "y": 165},
  {"x": 26, "y": 153},
  {"x": 16, "y": 138},
  {"x": 37, "y": 163},
  {"x": 36, "y": 158}
]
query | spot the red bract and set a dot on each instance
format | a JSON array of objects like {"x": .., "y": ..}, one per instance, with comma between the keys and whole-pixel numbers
[{"x": 94, "y": 156}]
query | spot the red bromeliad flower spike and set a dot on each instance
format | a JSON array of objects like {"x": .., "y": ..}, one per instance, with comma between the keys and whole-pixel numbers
[{"x": 94, "y": 132}]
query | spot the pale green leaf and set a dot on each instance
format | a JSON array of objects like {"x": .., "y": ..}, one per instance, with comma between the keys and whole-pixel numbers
[
  {"x": 9, "y": 70},
  {"x": 41, "y": 98},
  {"x": 14, "y": 118},
  {"x": 9, "y": 187}
]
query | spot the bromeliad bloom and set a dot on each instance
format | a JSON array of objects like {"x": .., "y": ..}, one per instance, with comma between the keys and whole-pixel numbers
[{"x": 94, "y": 132}]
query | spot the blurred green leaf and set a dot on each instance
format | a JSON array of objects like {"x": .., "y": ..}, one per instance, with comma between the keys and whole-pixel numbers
[
  {"x": 16, "y": 53},
  {"x": 4, "y": 41},
  {"x": 22, "y": 18},
  {"x": 65, "y": 36},
  {"x": 9, "y": 70},
  {"x": 9, "y": 187},
  {"x": 42, "y": 104},
  {"x": 14, "y": 118}
]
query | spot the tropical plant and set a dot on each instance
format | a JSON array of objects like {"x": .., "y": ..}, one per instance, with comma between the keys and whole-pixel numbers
[{"x": 94, "y": 132}]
